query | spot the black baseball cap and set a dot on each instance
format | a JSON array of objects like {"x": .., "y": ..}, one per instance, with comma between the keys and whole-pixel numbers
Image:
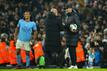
[{"x": 69, "y": 5}]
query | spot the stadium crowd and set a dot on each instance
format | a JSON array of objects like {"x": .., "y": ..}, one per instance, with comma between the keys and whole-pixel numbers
[{"x": 92, "y": 13}]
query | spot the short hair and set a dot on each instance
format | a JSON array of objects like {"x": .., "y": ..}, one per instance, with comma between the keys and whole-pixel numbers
[{"x": 27, "y": 11}]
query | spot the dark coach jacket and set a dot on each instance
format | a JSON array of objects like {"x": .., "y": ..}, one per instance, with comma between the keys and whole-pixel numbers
[{"x": 71, "y": 37}]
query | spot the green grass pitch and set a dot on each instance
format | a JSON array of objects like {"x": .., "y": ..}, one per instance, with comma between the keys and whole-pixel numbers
[{"x": 53, "y": 69}]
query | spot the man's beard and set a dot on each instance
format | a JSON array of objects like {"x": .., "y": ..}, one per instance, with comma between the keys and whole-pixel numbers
[{"x": 68, "y": 14}]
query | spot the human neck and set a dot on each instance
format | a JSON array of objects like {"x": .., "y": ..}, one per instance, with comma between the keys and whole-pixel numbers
[{"x": 27, "y": 20}]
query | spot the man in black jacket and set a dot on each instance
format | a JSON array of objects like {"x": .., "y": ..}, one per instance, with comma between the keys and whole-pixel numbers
[
  {"x": 53, "y": 26},
  {"x": 72, "y": 26}
]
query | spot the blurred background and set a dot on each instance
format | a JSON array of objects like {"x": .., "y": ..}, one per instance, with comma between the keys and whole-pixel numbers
[{"x": 92, "y": 13}]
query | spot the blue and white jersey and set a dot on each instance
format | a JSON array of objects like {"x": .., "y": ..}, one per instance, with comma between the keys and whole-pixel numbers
[{"x": 25, "y": 29}]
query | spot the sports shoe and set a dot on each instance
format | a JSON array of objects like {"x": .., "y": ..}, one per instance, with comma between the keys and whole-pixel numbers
[
  {"x": 73, "y": 67},
  {"x": 91, "y": 67}
]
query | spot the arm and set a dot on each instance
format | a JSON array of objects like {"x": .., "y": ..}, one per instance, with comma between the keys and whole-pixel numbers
[
  {"x": 61, "y": 27},
  {"x": 66, "y": 23},
  {"x": 16, "y": 33},
  {"x": 35, "y": 35},
  {"x": 77, "y": 20},
  {"x": 17, "y": 30},
  {"x": 34, "y": 31}
]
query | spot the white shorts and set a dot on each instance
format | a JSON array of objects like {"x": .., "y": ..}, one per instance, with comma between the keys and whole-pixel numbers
[{"x": 23, "y": 45}]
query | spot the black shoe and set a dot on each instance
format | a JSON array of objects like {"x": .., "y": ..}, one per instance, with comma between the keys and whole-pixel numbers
[
  {"x": 18, "y": 67},
  {"x": 28, "y": 67},
  {"x": 41, "y": 67}
]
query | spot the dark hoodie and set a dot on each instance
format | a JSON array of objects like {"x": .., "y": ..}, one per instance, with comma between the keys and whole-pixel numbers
[{"x": 53, "y": 27}]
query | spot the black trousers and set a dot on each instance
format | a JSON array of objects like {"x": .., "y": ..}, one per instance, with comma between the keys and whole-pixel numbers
[
  {"x": 72, "y": 52},
  {"x": 54, "y": 58}
]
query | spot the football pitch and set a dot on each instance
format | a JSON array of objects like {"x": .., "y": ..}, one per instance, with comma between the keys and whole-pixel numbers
[{"x": 53, "y": 69}]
